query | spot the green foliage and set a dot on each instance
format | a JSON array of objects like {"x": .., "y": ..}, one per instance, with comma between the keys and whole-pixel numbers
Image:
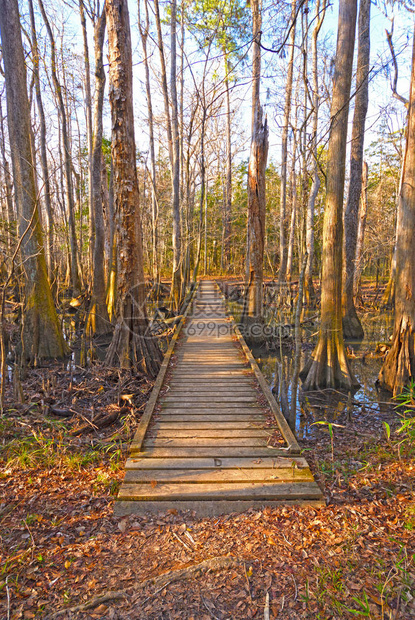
[
  {"x": 406, "y": 431},
  {"x": 38, "y": 450},
  {"x": 225, "y": 24}
]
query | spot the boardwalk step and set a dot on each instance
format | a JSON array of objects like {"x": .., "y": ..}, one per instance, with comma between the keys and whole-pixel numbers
[
  {"x": 277, "y": 462},
  {"x": 252, "y": 452},
  {"x": 220, "y": 490},
  {"x": 204, "y": 441},
  {"x": 209, "y": 476}
]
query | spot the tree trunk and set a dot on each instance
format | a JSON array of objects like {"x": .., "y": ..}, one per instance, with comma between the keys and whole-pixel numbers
[
  {"x": 89, "y": 137},
  {"x": 399, "y": 366},
  {"x": 352, "y": 327},
  {"x": 328, "y": 366},
  {"x": 315, "y": 185},
  {"x": 75, "y": 267},
  {"x": 98, "y": 319},
  {"x": 177, "y": 242},
  {"x": 43, "y": 151},
  {"x": 256, "y": 177},
  {"x": 361, "y": 231},
  {"x": 144, "y": 31},
  {"x": 113, "y": 262},
  {"x": 284, "y": 148},
  {"x": 131, "y": 346},
  {"x": 11, "y": 218},
  {"x": 202, "y": 191},
  {"x": 291, "y": 240},
  {"x": 228, "y": 192},
  {"x": 42, "y": 335}
]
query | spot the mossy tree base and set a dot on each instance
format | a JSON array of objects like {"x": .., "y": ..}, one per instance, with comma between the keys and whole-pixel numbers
[
  {"x": 399, "y": 366},
  {"x": 132, "y": 346},
  {"x": 328, "y": 367}
]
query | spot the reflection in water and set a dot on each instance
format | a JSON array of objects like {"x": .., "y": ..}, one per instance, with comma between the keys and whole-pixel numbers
[{"x": 277, "y": 364}]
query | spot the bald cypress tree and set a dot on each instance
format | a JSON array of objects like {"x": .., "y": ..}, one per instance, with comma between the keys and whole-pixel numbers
[{"x": 42, "y": 335}]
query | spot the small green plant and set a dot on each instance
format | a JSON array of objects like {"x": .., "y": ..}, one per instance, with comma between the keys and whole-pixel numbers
[
  {"x": 363, "y": 603},
  {"x": 406, "y": 401},
  {"x": 387, "y": 430},
  {"x": 330, "y": 426},
  {"x": 30, "y": 519},
  {"x": 410, "y": 518}
]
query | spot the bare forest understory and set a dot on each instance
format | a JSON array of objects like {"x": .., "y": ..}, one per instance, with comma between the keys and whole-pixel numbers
[{"x": 64, "y": 554}]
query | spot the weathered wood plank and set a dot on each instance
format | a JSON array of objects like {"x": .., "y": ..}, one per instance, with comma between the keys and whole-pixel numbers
[
  {"x": 208, "y": 426},
  {"x": 237, "y": 418},
  {"x": 213, "y": 407},
  {"x": 240, "y": 390},
  {"x": 206, "y": 508},
  {"x": 221, "y": 395},
  {"x": 208, "y": 476},
  {"x": 277, "y": 462},
  {"x": 194, "y": 399},
  {"x": 220, "y": 490},
  {"x": 151, "y": 403},
  {"x": 211, "y": 433},
  {"x": 253, "y": 452},
  {"x": 206, "y": 448},
  {"x": 198, "y": 442}
]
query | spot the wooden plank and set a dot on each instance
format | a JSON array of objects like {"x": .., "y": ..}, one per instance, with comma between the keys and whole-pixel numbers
[
  {"x": 278, "y": 462},
  {"x": 196, "y": 374},
  {"x": 206, "y": 508},
  {"x": 214, "y": 408},
  {"x": 218, "y": 405},
  {"x": 208, "y": 476},
  {"x": 206, "y": 448},
  {"x": 151, "y": 403},
  {"x": 218, "y": 425},
  {"x": 198, "y": 442},
  {"x": 206, "y": 394},
  {"x": 218, "y": 491},
  {"x": 198, "y": 418},
  {"x": 279, "y": 418},
  {"x": 220, "y": 433},
  {"x": 209, "y": 366},
  {"x": 217, "y": 385},
  {"x": 194, "y": 399},
  {"x": 213, "y": 452}
]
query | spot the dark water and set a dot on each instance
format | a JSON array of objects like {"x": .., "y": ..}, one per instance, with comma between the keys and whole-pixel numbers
[{"x": 327, "y": 405}]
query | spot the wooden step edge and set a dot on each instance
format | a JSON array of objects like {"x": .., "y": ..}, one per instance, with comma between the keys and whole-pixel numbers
[
  {"x": 151, "y": 403},
  {"x": 123, "y": 508},
  {"x": 279, "y": 418}
]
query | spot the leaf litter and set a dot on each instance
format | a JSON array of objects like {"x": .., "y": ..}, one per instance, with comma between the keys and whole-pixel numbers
[{"x": 62, "y": 549}]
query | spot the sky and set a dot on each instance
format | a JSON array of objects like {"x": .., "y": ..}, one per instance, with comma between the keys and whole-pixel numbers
[{"x": 273, "y": 71}]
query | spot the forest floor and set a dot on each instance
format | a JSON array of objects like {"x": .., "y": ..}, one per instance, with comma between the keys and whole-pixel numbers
[{"x": 64, "y": 554}]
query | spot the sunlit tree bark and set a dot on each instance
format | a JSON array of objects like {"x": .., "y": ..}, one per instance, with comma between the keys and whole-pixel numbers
[
  {"x": 98, "y": 319},
  {"x": 43, "y": 150},
  {"x": 352, "y": 326},
  {"x": 328, "y": 366},
  {"x": 284, "y": 148},
  {"x": 42, "y": 335},
  {"x": 309, "y": 293},
  {"x": 399, "y": 366},
  {"x": 131, "y": 346},
  {"x": 75, "y": 265},
  {"x": 256, "y": 176}
]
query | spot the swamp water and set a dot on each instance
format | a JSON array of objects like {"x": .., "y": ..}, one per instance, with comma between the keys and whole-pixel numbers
[{"x": 277, "y": 364}]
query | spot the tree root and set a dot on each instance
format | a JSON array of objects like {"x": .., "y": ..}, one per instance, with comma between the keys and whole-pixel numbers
[{"x": 214, "y": 564}]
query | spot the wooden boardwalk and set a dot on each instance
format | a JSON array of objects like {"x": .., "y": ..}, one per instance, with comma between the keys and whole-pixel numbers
[{"x": 212, "y": 438}]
